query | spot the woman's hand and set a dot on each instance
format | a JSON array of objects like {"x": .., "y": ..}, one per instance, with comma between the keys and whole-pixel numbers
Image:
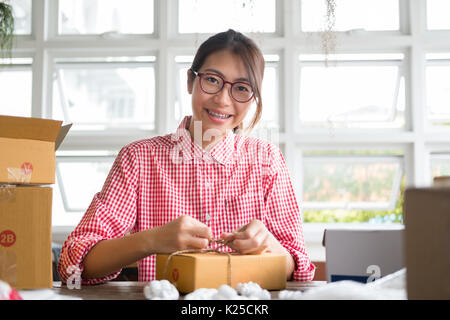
[
  {"x": 182, "y": 233},
  {"x": 253, "y": 238}
]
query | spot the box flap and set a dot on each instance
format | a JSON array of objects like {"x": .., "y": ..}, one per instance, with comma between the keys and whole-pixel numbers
[
  {"x": 62, "y": 134},
  {"x": 29, "y": 128}
]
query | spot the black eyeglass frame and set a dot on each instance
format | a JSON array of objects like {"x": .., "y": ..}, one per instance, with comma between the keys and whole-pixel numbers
[{"x": 201, "y": 74}]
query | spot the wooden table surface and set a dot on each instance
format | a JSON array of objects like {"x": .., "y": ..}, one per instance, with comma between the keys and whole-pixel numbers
[{"x": 133, "y": 290}]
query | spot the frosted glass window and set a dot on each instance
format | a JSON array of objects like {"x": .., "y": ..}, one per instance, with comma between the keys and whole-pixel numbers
[
  {"x": 369, "y": 15},
  {"x": 212, "y": 16},
  {"x": 105, "y": 95},
  {"x": 22, "y": 16},
  {"x": 437, "y": 14},
  {"x": 354, "y": 93},
  {"x": 15, "y": 87},
  {"x": 438, "y": 88},
  {"x": 80, "y": 179},
  {"x": 101, "y": 16}
]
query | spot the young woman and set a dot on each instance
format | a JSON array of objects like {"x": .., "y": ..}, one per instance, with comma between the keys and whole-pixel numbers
[{"x": 206, "y": 181}]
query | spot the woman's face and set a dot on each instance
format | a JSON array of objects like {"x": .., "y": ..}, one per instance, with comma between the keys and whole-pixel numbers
[{"x": 231, "y": 68}]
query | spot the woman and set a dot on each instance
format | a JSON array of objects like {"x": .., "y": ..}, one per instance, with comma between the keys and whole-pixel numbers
[{"x": 204, "y": 182}]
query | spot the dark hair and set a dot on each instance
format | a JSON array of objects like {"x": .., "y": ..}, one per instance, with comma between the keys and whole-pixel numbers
[{"x": 250, "y": 54}]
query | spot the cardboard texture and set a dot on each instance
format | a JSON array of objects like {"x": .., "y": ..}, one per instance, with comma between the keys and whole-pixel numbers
[
  {"x": 363, "y": 254},
  {"x": 25, "y": 236},
  {"x": 427, "y": 242},
  {"x": 189, "y": 272},
  {"x": 28, "y": 149}
]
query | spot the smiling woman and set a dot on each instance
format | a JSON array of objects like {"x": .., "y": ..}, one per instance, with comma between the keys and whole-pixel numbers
[{"x": 233, "y": 187}]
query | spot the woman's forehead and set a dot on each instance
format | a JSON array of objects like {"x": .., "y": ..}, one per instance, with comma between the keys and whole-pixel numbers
[{"x": 226, "y": 64}]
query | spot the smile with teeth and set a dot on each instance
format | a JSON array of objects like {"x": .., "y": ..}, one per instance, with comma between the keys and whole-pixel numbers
[{"x": 217, "y": 115}]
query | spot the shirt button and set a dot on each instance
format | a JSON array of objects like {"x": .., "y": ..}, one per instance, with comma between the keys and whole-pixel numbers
[
  {"x": 208, "y": 217},
  {"x": 207, "y": 184}
]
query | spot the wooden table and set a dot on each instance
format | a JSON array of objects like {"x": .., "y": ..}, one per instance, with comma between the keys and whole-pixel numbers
[{"x": 133, "y": 290}]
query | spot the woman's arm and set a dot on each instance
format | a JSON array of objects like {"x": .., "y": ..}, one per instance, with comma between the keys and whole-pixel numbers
[{"x": 108, "y": 256}]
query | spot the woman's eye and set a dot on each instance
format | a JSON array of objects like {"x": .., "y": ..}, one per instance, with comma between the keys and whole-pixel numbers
[
  {"x": 212, "y": 79},
  {"x": 243, "y": 89}
]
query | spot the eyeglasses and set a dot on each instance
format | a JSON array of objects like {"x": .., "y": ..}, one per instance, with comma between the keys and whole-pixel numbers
[{"x": 212, "y": 83}]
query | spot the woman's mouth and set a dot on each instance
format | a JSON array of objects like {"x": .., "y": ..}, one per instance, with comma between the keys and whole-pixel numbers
[{"x": 217, "y": 117}]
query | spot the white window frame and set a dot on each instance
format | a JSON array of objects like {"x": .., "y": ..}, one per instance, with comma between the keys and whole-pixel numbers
[{"x": 43, "y": 45}]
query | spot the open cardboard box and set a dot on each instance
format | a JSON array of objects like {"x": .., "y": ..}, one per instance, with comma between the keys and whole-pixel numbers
[{"x": 28, "y": 148}]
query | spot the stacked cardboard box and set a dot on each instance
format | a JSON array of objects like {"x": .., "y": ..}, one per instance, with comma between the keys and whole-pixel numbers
[{"x": 27, "y": 168}]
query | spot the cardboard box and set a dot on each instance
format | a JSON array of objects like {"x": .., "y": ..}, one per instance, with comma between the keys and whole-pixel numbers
[
  {"x": 363, "y": 254},
  {"x": 189, "y": 272},
  {"x": 25, "y": 236},
  {"x": 28, "y": 149},
  {"x": 427, "y": 242}
]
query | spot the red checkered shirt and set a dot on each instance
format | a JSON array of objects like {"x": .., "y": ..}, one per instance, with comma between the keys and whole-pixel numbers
[{"x": 157, "y": 180}]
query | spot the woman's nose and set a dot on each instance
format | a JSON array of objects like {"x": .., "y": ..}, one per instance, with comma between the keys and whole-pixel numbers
[{"x": 223, "y": 96}]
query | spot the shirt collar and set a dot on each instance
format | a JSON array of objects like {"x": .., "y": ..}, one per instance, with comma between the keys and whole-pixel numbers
[{"x": 221, "y": 152}]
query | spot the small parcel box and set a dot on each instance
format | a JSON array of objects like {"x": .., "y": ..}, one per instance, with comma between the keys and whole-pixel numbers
[
  {"x": 192, "y": 271},
  {"x": 363, "y": 254}
]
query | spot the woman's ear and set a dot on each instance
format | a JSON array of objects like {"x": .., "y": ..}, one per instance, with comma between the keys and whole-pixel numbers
[{"x": 190, "y": 81}]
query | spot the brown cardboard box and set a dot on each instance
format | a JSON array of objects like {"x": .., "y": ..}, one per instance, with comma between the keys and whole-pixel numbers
[
  {"x": 427, "y": 242},
  {"x": 25, "y": 236},
  {"x": 28, "y": 149},
  {"x": 189, "y": 272}
]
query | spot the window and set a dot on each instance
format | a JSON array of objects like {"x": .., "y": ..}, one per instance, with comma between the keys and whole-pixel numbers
[
  {"x": 440, "y": 164},
  {"x": 212, "y": 16},
  {"x": 105, "y": 93},
  {"x": 22, "y": 16},
  {"x": 15, "y": 86},
  {"x": 368, "y": 15},
  {"x": 105, "y": 16},
  {"x": 438, "y": 88},
  {"x": 351, "y": 100},
  {"x": 356, "y": 126},
  {"x": 437, "y": 17},
  {"x": 72, "y": 174}
]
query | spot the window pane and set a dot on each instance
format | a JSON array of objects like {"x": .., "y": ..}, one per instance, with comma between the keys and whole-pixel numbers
[
  {"x": 438, "y": 90},
  {"x": 350, "y": 182},
  {"x": 15, "y": 87},
  {"x": 342, "y": 95},
  {"x": 99, "y": 16},
  {"x": 269, "y": 118},
  {"x": 440, "y": 165},
  {"x": 76, "y": 193},
  {"x": 370, "y": 15},
  {"x": 22, "y": 16},
  {"x": 105, "y": 95},
  {"x": 437, "y": 14},
  {"x": 211, "y": 16}
]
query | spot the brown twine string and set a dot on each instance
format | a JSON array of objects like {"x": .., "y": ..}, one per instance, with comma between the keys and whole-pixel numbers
[{"x": 221, "y": 241}]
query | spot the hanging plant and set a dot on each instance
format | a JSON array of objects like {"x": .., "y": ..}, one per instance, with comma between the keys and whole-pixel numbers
[
  {"x": 328, "y": 35},
  {"x": 6, "y": 30}
]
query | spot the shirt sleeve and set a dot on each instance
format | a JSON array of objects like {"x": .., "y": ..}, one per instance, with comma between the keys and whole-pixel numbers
[
  {"x": 111, "y": 214},
  {"x": 283, "y": 218}
]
